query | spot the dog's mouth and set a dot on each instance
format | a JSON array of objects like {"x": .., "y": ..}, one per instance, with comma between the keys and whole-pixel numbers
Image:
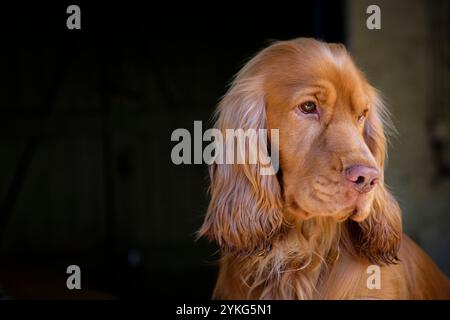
[
  {"x": 356, "y": 206},
  {"x": 353, "y": 212},
  {"x": 350, "y": 205}
]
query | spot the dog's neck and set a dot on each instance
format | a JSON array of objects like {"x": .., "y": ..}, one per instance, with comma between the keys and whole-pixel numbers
[{"x": 299, "y": 258}]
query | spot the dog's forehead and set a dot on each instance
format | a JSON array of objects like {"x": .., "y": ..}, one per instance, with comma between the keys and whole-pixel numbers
[
  {"x": 338, "y": 69},
  {"x": 291, "y": 68},
  {"x": 328, "y": 76}
]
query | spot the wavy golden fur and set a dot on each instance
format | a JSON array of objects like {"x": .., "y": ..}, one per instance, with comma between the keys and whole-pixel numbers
[{"x": 305, "y": 233}]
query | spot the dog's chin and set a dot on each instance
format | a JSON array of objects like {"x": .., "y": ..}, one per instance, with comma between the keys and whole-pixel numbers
[
  {"x": 359, "y": 215},
  {"x": 357, "y": 208},
  {"x": 363, "y": 207},
  {"x": 357, "y": 212}
]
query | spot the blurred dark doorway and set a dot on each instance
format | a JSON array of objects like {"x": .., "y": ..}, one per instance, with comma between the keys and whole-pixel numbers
[{"x": 85, "y": 120}]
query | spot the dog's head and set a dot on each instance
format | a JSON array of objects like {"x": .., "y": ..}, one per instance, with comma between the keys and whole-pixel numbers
[{"x": 332, "y": 148}]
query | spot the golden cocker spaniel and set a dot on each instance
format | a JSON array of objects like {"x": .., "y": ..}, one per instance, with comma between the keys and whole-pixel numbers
[{"x": 313, "y": 230}]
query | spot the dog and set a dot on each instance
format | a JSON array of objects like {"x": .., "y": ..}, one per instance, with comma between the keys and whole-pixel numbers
[{"x": 316, "y": 228}]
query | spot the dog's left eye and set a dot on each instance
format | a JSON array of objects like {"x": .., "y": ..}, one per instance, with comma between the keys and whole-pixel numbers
[{"x": 308, "y": 107}]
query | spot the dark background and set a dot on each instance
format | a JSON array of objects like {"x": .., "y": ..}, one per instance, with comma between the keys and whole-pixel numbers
[
  {"x": 85, "y": 123},
  {"x": 86, "y": 118}
]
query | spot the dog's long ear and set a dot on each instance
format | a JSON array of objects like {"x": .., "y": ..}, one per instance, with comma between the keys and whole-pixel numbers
[
  {"x": 245, "y": 206},
  {"x": 378, "y": 236}
]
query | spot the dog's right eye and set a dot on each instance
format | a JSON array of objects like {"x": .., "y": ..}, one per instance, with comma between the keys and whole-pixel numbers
[{"x": 308, "y": 107}]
